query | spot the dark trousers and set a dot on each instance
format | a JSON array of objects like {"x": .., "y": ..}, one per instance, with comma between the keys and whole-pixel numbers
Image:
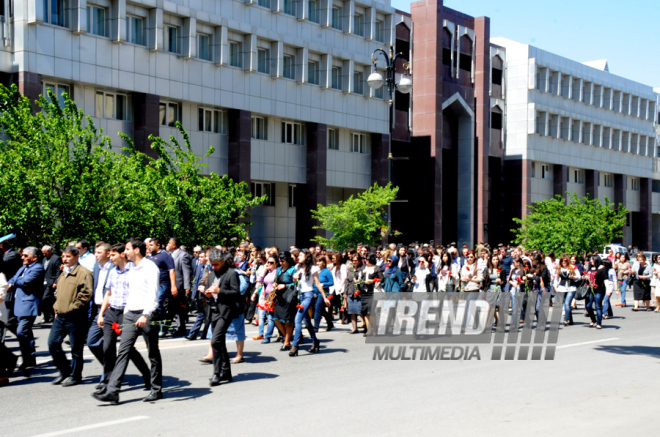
[
  {"x": 95, "y": 340},
  {"x": 7, "y": 358},
  {"x": 75, "y": 326},
  {"x": 111, "y": 316},
  {"x": 129, "y": 336},
  {"x": 179, "y": 311},
  {"x": 251, "y": 310},
  {"x": 322, "y": 310},
  {"x": 221, "y": 364},
  {"x": 47, "y": 303},
  {"x": 26, "y": 339},
  {"x": 203, "y": 317}
]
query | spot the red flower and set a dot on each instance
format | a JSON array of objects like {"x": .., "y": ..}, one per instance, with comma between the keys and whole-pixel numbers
[
  {"x": 467, "y": 268},
  {"x": 116, "y": 327},
  {"x": 377, "y": 281},
  {"x": 300, "y": 307},
  {"x": 330, "y": 297},
  {"x": 525, "y": 268},
  {"x": 499, "y": 271},
  {"x": 357, "y": 293}
]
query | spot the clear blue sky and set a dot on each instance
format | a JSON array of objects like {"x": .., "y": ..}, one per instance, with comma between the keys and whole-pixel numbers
[{"x": 627, "y": 34}]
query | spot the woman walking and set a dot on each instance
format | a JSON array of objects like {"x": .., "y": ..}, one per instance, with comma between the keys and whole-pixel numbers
[
  {"x": 285, "y": 299},
  {"x": 266, "y": 302},
  {"x": 371, "y": 275},
  {"x": 352, "y": 295},
  {"x": 568, "y": 275},
  {"x": 472, "y": 275},
  {"x": 623, "y": 273},
  {"x": 447, "y": 274},
  {"x": 392, "y": 275},
  {"x": 597, "y": 293},
  {"x": 641, "y": 277},
  {"x": 307, "y": 277}
]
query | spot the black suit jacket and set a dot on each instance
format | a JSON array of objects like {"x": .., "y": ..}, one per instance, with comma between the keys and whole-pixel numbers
[
  {"x": 229, "y": 300},
  {"x": 12, "y": 261},
  {"x": 52, "y": 271}
]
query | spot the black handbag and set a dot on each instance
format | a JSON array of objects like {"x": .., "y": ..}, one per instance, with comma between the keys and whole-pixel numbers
[{"x": 583, "y": 290}]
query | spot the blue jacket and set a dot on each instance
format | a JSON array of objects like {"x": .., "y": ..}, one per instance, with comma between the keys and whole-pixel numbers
[
  {"x": 393, "y": 282},
  {"x": 28, "y": 289},
  {"x": 325, "y": 278},
  {"x": 194, "y": 294}
]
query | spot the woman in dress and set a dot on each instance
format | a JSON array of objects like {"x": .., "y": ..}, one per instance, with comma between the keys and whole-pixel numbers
[
  {"x": 353, "y": 300},
  {"x": 472, "y": 275},
  {"x": 641, "y": 276},
  {"x": 447, "y": 274},
  {"x": 369, "y": 277},
  {"x": 285, "y": 299},
  {"x": 392, "y": 275}
]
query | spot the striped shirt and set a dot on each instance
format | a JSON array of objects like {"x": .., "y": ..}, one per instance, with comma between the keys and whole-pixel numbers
[{"x": 118, "y": 285}]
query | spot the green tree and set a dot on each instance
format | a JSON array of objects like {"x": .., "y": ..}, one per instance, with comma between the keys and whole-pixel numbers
[
  {"x": 359, "y": 219},
  {"x": 61, "y": 180},
  {"x": 574, "y": 226}
]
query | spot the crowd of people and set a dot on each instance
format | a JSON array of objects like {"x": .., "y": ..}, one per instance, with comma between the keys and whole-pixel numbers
[{"x": 124, "y": 290}]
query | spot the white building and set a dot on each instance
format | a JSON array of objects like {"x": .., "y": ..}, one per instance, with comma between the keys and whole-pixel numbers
[
  {"x": 578, "y": 128},
  {"x": 277, "y": 87}
]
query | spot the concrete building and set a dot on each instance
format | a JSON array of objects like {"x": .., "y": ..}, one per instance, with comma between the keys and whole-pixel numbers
[
  {"x": 577, "y": 128},
  {"x": 277, "y": 87}
]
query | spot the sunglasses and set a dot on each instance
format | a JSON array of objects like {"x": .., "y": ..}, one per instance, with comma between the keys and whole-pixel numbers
[{"x": 271, "y": 262}]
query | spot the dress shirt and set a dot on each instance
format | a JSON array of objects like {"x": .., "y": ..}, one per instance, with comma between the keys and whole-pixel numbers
[
  {"x": 118, "y": 286},
  {"x": 143, "y": 288},
  {"x": 67, "y": 270},
  {"x": 101, "y": 283},
  {"x": 87, "y": 261}
]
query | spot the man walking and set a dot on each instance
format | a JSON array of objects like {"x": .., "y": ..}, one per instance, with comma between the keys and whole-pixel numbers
[
  {"x": 139, "y": 312},
  {"x": 183, "y": 275},
  {"x": 27, "y": 286},
  {"x": 166, "y": 279},
  {"x": 111, "y": 318},
  {"x": 52, "y": 264},
  {"x": 74, "y": 291},
  {"x": 203, "y": 310},
  {"x": 101, "y": 273}
]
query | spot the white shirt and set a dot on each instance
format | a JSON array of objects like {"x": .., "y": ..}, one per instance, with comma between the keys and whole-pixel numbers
[
  {"x": 143, "y": 288},
  {"x": 420, "y": 279},
  {"x": 307, "y": 284},
  {"x": 99, "y": 292},
  {"x": 67, "y": 270},
  {"x": 87, "y": 261}
]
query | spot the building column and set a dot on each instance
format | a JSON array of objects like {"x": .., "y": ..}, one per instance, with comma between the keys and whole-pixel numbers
[
  {"x": 591, "y": 178},
  {"x": 559, "y": 176},
  {"x": 642, "y": 221},
  {"x": 314, "y": 191},
  {"x": 482, "y": 120},
  {"x": 30, "y": 85},
  {"x": 619, "y": 196},
  {"x": 240, "y": 145},
  {"x": 379, "y": 162},
  {"x": 145, "y": 115}
]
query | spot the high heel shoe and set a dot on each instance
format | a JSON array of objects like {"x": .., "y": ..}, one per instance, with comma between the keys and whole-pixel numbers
[
  {"x": 285, "y": 348},
  {"x": 294, "y": 351},
  {"x": 316, "y": 347}
]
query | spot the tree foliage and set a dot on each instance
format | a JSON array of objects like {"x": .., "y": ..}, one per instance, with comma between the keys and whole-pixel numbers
[
  {"x": 359, "y": 219},
  {"x": 576, "y": 226},
  {"x": 61, "y": 180}
]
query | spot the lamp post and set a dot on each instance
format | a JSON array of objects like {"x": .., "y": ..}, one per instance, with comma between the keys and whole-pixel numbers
[{"x": 404, "y": 85}]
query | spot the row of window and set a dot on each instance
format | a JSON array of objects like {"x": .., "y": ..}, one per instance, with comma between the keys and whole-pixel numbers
[
  {"x": 577, "y": 176},
  {"x": 578, "y": 131},
  {"x": 259, "y": 189},
  {"x": 579, "y": 90}
]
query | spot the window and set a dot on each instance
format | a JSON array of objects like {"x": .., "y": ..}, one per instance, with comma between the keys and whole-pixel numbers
[
  {"x": 169, "y": 113},
  {"x": 235, "y": 54},
  {"x": 495, "y": 120},
  {"x": 212, "y": 120},
  {"x": 336, "y": 18},
  {"x": 292, "y": 133},
  {"x": 465, "y": 62},
  {"x": 264, "y": 3},
  {"x": 289, "y": 7},
  {"x": 263, "y": 65},
  {"x": 579, "y": 176},
  {"x": 634, "y": 184},
  {"x": 292, "y": 196},
  {"x": 259, "y": 189},
  {"x": 204, "y": 47},
  {"x": 333, "y": 139},
  {"x": 358, "y": 83},
  {"x": 540, "y": 78},
  {"x": 378, "y": 93},
  {"x": 540, "y": 123},
  {"x": 109, "y": 105},
  {"x": 54, "y": 13},
  {"x": 358, "y": 24},
  {"x": 288, "y": 67},
  {"x": 608, "y": 180},
  {"x": 171, "y": 39},
  {"x": 259, "y": 128},
  {"x": 336, "y": 78},
  {"x": 546, "y": 171},
  {"x": 496, "y": 74},
  {"x": 313, "y": 72},
  {"x": 58, "y": 90},
  {"x": 533, "y": 169},
  {"x": 313, "y": 11},
  {"x": 358, "y": 143},
  {"x": 135, "y": 30},
  {"x": 379, "y": 36},
  {"x": 96, "y": 20}
]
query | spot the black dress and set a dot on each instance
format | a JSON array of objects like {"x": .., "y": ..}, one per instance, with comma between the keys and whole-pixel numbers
[
  {"x": 641, "y": 287},
  {"x": 367, "y": 290},
  {"x": 287, "y": 299}
]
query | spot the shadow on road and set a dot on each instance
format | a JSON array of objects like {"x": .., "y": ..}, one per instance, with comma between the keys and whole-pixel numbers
[
  {"x": 180, "y": 390},
  {"x": 631, "y": 350},
  {"x": 254, "y": 376},
  {"x": 257, "y": 357}
]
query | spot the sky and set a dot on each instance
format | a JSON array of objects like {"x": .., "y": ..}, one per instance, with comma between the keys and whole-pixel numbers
[{"x": 627, "y": 34}]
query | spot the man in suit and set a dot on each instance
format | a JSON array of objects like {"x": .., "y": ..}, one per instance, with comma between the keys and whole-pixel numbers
[
  {"x": 101, "y": 273},
  {"x": 184, "y": 276},
  {"x": 203, "y": 310},
  {"x": 27, "y": 286},
  {"x": 51, "y": 263},
  {"x": 224, "y": 296}
]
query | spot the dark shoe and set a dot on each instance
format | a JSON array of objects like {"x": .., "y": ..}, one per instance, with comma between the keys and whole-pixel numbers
[
  {"x": 191, "y": 337},
  {"x": 354, "y": 331},
  {"x": 226, "y": 377},
  {"x": 316, "y": 347},
  {"x": 330, "y": 327},
  {"x": 106, "y": 397},
  {"x": 294, "y": 351},
  {"x": 11, "y": 365},
  {"x": 205, "y": 360},
  {"x": 70, "y": 381},
  {"x": 4, "y": 381},
  {"x": 215, "y": 380},
  {"x": 60, "y": 379},
  {"x": 285, "y": 348},
  {"x": 153, "y": 396},
  {"x": 101, "y": 391},
  {"x": 100, "y": 385}
]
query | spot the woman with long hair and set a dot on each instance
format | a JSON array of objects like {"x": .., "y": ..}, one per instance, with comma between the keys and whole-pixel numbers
[
  {"x": 322, "y": 309},
  {"x": 371, "y": 275},
  {"x": 267, "y": 305},
  {"x": 598, "y": 289},
  {"x": 352, "y": 293},
  {"x": 285, "y": 299},
  {"x": 339, "y": 273},
  {"x": 472, "y": 276},
  {"x": 568, "y": 275},
  {"x": 623, "y": 273},
  {"x": 447, "y": 273},
  {"x": 307, "y": 277},
  {"x": 405, "y": 265},
  {"x": 641, "y": 275}
]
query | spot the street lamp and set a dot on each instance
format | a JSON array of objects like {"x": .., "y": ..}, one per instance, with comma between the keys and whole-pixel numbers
[{"x": 404, "y": 85}]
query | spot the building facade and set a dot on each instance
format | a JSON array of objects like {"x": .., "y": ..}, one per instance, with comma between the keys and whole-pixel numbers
[
  {"x": 577, "y": 128},
  {"x": 276, "y": 87}
]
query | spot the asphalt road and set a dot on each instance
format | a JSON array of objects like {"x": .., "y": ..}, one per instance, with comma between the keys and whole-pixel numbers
[{"x": 601, "y": 382}]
